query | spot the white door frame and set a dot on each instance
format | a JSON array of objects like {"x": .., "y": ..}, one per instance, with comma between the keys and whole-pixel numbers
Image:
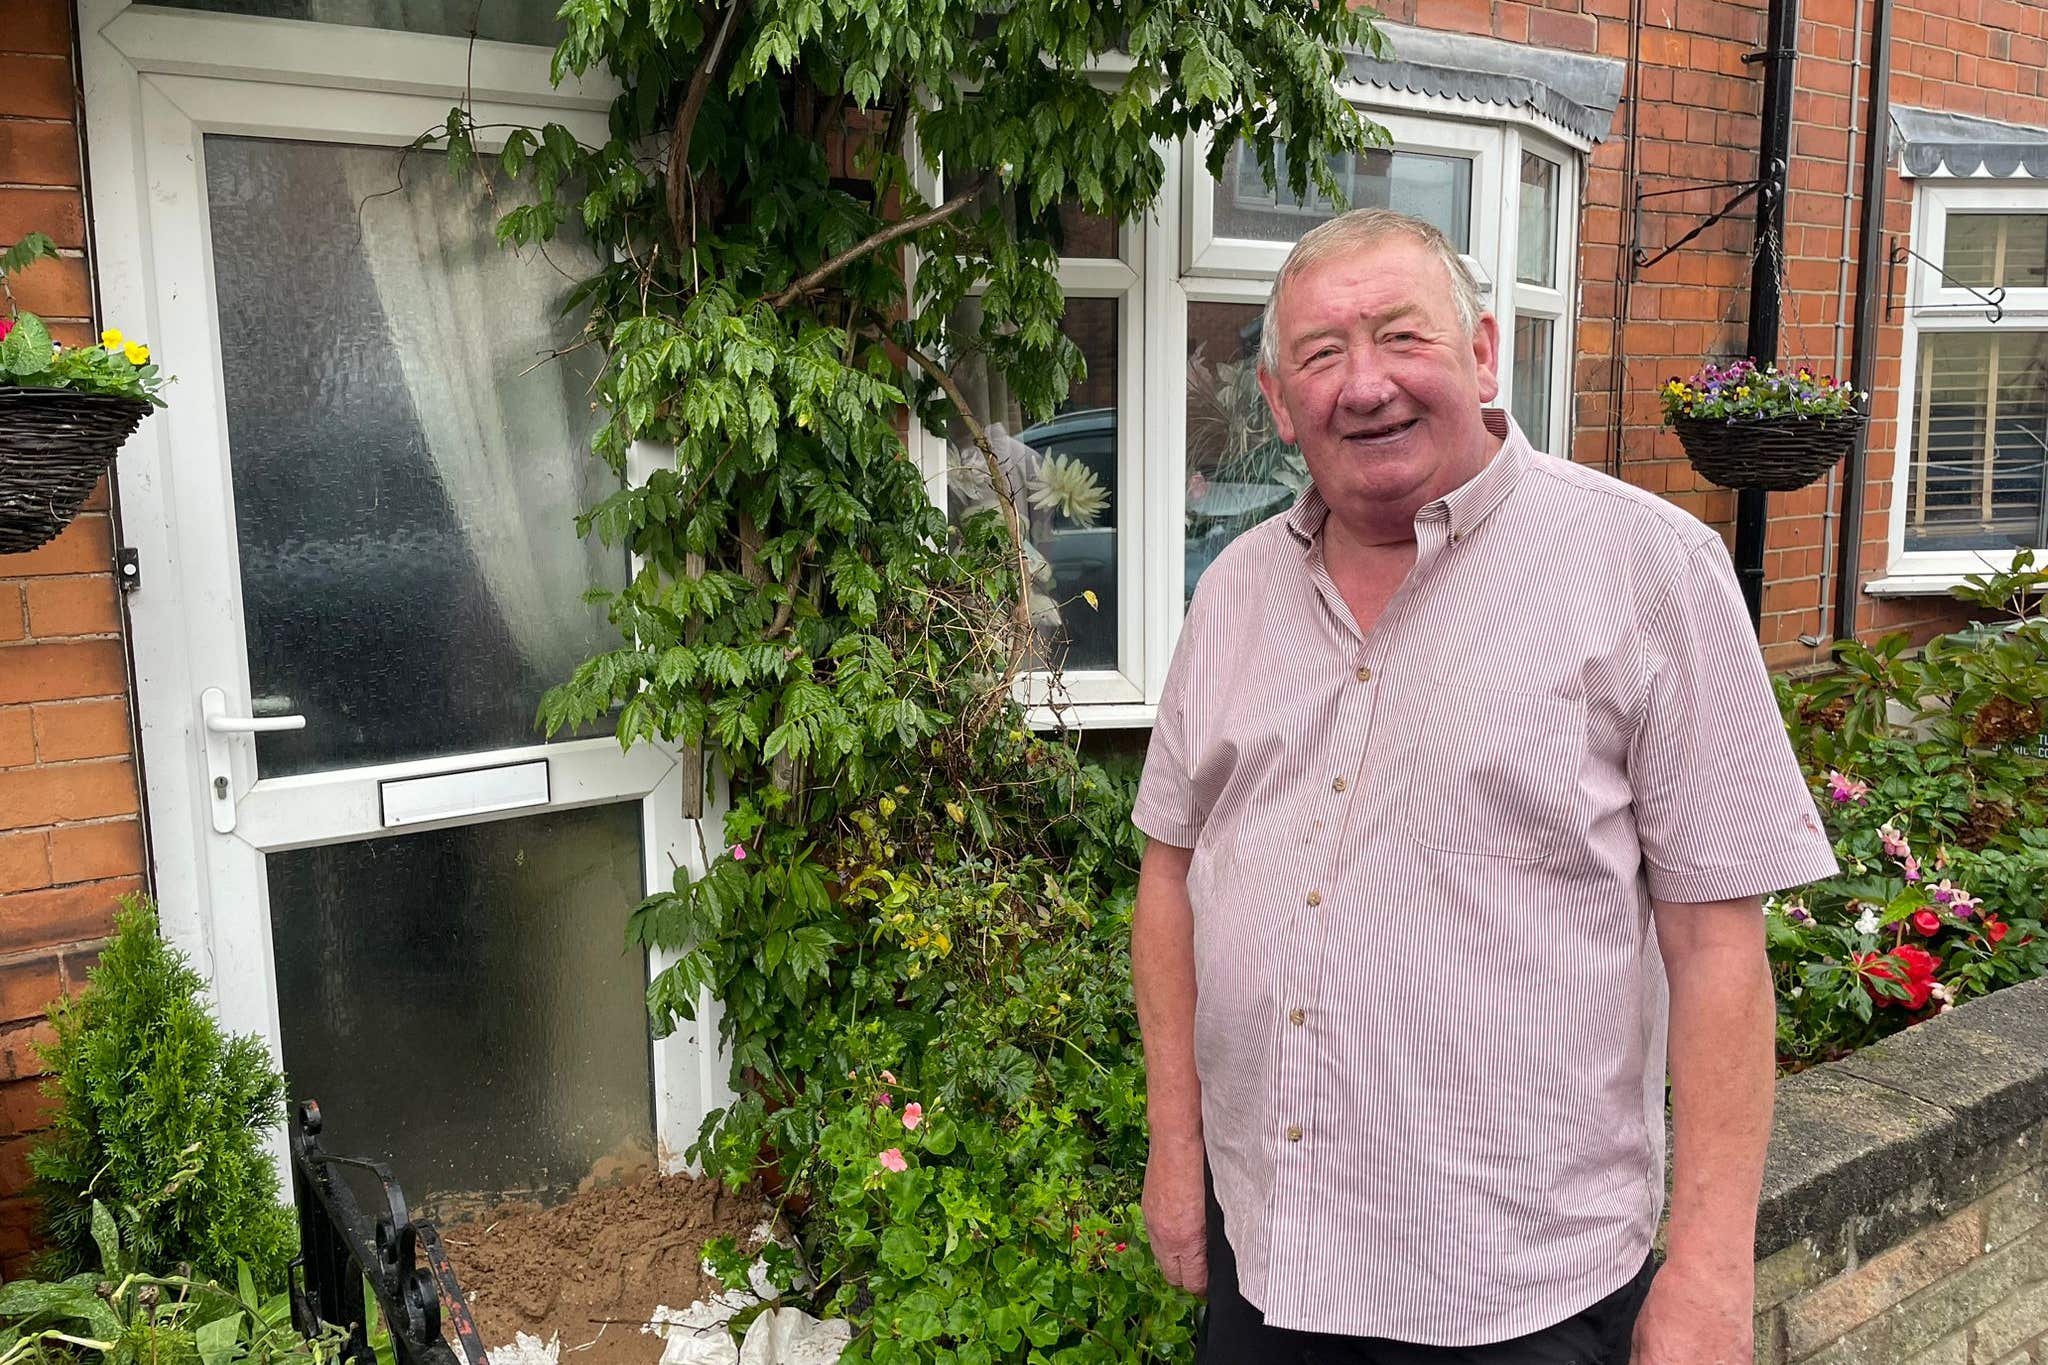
[{"x": 156, "y": 82}]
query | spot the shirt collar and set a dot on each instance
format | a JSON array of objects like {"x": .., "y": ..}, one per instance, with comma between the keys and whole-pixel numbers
[{"x": 1464, "y": 507}]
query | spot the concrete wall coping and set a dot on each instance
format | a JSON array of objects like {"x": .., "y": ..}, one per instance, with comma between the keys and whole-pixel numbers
[{"x": 1867, "y": 1150}]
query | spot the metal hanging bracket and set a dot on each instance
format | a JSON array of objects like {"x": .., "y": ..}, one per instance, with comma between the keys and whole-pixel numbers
[
  {"x": 1993, "y": 298},
  {"x": 1749, "y": 188}
]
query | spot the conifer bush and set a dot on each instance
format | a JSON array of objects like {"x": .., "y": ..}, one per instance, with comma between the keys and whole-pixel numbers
[{"x": 161, "y": 1119}]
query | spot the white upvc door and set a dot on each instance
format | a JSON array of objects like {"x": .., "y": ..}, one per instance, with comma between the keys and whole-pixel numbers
[{"x": 358, "y": 511}]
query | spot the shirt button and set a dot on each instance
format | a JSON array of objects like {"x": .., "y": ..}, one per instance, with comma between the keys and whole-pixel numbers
[
  {"x": 1294, "y": 1132},
  {"x": 1364, "y": 674},
  {"x": 1297, "y": 1015},
  {"x": 1339, "y": 785},
  {"x": 1315, "y": 898}
]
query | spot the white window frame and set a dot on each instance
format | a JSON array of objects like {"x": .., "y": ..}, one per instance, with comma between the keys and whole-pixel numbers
[
  {"x": 1172, "y": 259},
  {"x": 1932, "y": 306}
]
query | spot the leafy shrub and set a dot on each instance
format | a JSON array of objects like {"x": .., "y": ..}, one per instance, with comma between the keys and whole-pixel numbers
[
  {"x": 161, "y": 1117},
  {"x": 129, "y": 1317},
  {"x": 1931, "y": 772}
]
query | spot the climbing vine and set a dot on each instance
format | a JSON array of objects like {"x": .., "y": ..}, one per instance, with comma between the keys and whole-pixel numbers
[{"x": 917, "y": 925}]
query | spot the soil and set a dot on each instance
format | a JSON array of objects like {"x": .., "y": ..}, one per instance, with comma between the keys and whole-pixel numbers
[{"x": 594, "y": 1267}]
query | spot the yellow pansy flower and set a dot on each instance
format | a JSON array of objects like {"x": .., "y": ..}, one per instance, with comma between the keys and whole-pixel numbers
[
  {"x": 136, "y": 352},
  {"x": 112, "y": 338}
]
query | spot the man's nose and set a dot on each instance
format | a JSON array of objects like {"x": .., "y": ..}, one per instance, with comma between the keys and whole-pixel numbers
[{"x": 1367, "y": 385}]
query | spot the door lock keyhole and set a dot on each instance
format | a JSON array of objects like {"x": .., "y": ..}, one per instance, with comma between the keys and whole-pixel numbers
[{"x": 220, "y": 788}]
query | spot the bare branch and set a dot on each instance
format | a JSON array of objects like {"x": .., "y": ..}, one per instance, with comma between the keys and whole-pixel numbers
[
  {"x": 686, "y": 121},
  {"x": 892, "y": 233},
  {"x": 1000, "y": 482}
]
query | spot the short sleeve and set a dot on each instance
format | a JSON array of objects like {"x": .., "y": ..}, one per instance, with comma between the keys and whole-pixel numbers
[
  {"x": 1165, "y": 809},
  {"x": 1722, "y": 810}
]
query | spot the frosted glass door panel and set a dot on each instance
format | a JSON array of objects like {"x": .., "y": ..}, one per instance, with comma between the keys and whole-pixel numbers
[
  {"x": 406, "y": 477},
  {"x": 460, "y": 1005},
  {"x": 505, "y": 21}
]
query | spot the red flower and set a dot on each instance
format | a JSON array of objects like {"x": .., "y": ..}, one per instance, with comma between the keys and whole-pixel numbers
[
  {"x": 1995, "y": 930},
  {"x": 6, "y": 326},
  {"x": 1927, "y": 922},
  {"x": 1910, "y": 965}
]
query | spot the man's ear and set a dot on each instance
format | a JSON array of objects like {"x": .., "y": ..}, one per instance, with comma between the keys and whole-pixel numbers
[
  {"x": 1283, "y": 420},
  {"x": 1486, "y": 356}
]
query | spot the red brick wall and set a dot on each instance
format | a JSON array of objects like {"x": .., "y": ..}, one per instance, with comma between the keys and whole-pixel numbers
[
  {"x": 1696, "y": 117},
  {"x": 70, "y": 833}
]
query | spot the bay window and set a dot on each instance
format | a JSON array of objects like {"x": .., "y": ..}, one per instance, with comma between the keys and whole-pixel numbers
[
  {"x": 1973, "y": 416},
  {"x": 1164, "y": 452}
]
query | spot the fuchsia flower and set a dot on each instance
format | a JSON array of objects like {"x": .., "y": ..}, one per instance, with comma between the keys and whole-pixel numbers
[
  {"x": 885, "y": 1100},
  {"x": 1893, "y": 843},
  {"x": 913, "y": 1114},
  {"x": 1963, "y": 904},
  {"x": 1912, "y": 868},
  {"x": 1846, "y": 789},
  {"x": 739, "y": 853},
  {"x": 892, "y": 1160}
]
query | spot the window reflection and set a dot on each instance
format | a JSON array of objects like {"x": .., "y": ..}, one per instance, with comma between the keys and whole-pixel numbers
[
  {"x": 1436, "y": 189},
  {"x": 1062, "y": 477},
  {"x": 1239, "y": 472}
]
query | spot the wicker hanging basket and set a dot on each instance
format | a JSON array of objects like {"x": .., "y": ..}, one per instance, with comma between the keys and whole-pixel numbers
[
  {"x": 54, "y": 445},
  {"x": 1777, "y": 454}
]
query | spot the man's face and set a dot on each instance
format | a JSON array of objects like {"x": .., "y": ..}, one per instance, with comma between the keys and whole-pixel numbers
[{"x": 1378, "y": 383}]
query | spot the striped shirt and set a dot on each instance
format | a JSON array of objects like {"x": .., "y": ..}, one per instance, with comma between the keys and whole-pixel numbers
[{"x": 1430, "y": 1010}]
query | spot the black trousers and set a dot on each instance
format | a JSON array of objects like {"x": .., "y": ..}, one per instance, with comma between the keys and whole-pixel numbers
[{"x": 1233, "y": 1332}]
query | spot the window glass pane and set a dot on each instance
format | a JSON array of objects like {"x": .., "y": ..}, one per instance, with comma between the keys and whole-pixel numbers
[
  {"x": 1980, "y": 429},
  {"x": 1987, "y": 249},
  {"x": 1435, "y": 188},
  {"x": 1238, "y": 471},
  {"x": 459, "y": 1004},
  {"x": 1536, "y": 237},
  {"x": 505, "y": 21},
  {"x": 1062, "y": 475},
  {"x": 406, "y": 475},
  {"x": 1074, "y": 233},
  {"x": 1531, "y": 400}
]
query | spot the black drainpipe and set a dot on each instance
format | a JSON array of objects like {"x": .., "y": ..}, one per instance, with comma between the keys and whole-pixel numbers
[
  {"x": 1781, "y": 46},
  {"x": 1863, "y": 359}
]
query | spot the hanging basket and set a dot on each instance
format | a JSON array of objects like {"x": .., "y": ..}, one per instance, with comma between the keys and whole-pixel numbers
[
  {"x": 54, "y": 445},
  {"x": 1777, "y": 454}
]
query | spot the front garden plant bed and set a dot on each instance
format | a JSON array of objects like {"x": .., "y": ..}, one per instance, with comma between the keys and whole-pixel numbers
[
  {"x": 1929, "y": 770},
  {"x": 592, "y": 1270}
]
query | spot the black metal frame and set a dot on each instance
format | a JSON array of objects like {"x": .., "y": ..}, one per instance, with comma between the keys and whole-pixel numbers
[
  {"x": 342, "y": 1251},
  {"x": 1993, "y": 298}
]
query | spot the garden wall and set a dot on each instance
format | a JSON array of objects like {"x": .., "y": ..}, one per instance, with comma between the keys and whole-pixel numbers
[
  {"x": 1905, "y": 1212},
  {"x": 70, "y": 828}
]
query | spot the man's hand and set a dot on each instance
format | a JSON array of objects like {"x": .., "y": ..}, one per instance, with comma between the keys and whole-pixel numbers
[
  {"x": 1697, "y": 1317},
  {"x": 1176, "y": 1214}
]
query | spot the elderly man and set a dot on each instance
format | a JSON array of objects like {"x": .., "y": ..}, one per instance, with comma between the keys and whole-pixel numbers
[{"x": 1458, "y": 762}]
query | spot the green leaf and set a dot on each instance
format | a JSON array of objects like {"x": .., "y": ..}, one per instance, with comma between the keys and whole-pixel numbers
[
  {"x": 218, "y": 1341},
  {"x": 26, "y": 252},
  {"x": 27, "y": 349},
  {"x": 107, "y": 1237}
]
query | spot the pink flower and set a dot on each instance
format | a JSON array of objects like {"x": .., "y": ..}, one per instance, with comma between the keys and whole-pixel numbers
[
  {"x": 1942, "y": 892},
  {"x": 1963, "y": 904},
  {"x": 885, "y": 1100},
  {"x": 888, "y": 1077},
  {"x": 913, "y": 1114},
  {"x": 6, "y": 326},
  {"x": 1912, "y": 867},
  {"x": 1198, "y": 487},
  {"x": 1118, "y": 1247},
  {"x": 739, "y": 853},
  {"x": 892, "y": 1160},
  {"x": 1927, "y": 922},
  {"x": 1846, "y": 789},
  {"x": 1893, "y": 843}
]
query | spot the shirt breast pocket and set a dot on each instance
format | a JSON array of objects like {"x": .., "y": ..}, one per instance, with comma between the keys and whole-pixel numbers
[{"x": 1495, "y": 773}]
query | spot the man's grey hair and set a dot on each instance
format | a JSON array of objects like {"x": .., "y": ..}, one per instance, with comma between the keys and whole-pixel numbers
[{"x": 1353, "y": 232}]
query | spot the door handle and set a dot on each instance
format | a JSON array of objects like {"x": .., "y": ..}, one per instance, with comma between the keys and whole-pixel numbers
[{"x": 219, "y": 728}]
